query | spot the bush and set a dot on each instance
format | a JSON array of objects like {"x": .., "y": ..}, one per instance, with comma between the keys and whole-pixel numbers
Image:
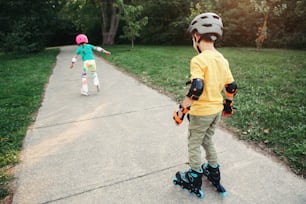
[{"x": 24, "y": 38}]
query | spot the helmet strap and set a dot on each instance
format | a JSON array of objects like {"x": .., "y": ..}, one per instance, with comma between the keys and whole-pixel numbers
[
  {"x": 198, "y": 48},
  {"x": 197, "y": 43}
]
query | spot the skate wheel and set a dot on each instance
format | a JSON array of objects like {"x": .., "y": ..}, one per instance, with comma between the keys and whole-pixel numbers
[
  {"x": 200, "y": 194},
  {"x": 223, "y": 194},
  {"x": 175, "y": 181}
]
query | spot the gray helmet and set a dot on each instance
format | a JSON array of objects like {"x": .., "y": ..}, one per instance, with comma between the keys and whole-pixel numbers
[{"x": 207, "y": 23}]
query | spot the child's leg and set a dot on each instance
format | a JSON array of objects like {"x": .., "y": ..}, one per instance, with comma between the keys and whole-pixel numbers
[
  {"x": 86, "y": 66},
  {"x": 197, "y": 129},
  {"x": 207, "y": 143},
  {"x": 84, "y": 89},
  {"x": 92, "y": 67}
]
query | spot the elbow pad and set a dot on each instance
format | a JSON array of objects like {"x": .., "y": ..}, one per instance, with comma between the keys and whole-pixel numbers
[
  {"x": 230, "y": 89},
  {"x": 196, "y": 89},
  {"x": 74, "y": 60},
  {"x": 100, "y": 49}
]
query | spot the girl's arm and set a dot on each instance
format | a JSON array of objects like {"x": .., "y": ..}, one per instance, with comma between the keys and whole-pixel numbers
[
  {"x": 100, "y": 49},
  {"x": 73, "y": 60}
]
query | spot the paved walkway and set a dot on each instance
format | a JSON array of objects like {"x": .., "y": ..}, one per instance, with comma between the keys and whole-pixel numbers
[{"x": 121, "y": 146}]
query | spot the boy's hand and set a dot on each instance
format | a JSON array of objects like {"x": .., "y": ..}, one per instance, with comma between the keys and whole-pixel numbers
[
  {"x": 179, "y": 115},
  {"x": 227, "y": 108}
]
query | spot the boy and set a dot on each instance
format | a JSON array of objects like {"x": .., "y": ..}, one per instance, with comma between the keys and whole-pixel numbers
[
  {"x": 210, "y": 75},
  {"x": 85, "y": 50}
]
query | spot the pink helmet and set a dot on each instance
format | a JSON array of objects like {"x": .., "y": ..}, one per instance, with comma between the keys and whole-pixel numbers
[{"x": 81, "y": 38}]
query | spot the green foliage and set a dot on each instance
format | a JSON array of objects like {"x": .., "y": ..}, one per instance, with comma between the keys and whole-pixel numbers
[
  {"x": 56, "y": 22},
  {"x": 269, "y": 6},
  {"x": 133, "y": 24},
  {"x": 5, "y": 178},
  {"x": 26, "y": 26},
  {"x": 288, "y": 30},
  {"x": 166, "y": 21},
  {"x": 23, "y": 39},
  {"x": 85, "y": 16},
  {"x": 22, "y": 84},
  {"x": 271, "y": 108},
  {"x": 240, "y": 23}
]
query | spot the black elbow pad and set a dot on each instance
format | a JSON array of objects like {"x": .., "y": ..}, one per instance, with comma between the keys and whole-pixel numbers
[{"x": 196, "y": 89}]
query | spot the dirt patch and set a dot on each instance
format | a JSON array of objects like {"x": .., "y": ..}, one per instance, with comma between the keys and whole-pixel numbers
[{"x": 7, "y": 200}]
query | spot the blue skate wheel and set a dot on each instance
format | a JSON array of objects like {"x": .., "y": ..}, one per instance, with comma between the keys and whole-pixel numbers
[
  {"x": 175, "y": 181},
  {"x": 200, "y": 194},
  {"x": 223, "y": 194}
]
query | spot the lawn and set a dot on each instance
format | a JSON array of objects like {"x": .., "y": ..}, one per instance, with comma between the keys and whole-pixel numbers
[
  {"x": 23, "y": 78},
  {"x": 271, "y": 96}
]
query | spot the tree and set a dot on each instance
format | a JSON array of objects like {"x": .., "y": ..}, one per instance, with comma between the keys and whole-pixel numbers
[
  {"x": 111, "y": 12},
  {"x": 29, "y": 25},
  {"x": 133, "y": 25},
  {"x": 238, "y": 19},
  {"x": 291, "y": 26},
  {"x": 85, "y": 16},
  {"x": 266, "y": 8},
  {"x": 166, "y": 21}
]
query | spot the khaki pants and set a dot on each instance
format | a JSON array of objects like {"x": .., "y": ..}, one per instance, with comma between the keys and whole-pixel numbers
[{"x": 201, "y": 129}]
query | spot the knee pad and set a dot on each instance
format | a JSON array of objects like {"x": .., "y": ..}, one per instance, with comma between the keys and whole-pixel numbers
[
  {"x": 84, "y": 74},
  {"x": 196, "y": 89},
  {"x": 231, "y": 89}
]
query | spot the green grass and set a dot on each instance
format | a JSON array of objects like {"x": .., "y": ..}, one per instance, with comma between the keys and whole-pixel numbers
[
  {"x": 23, "y": 78},
  {"x": 271, "y": 96}
]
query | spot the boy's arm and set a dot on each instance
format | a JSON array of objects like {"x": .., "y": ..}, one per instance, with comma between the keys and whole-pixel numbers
[{"x": 194, "y": 93}]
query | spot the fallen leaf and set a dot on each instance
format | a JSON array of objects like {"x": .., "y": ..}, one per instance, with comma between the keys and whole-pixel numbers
[{"x": 267, "y": 131}]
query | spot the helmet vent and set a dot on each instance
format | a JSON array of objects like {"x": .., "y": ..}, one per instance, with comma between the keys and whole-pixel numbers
[
  {"x": 216, "y": 17},
  {"x": 194, "y": 22},
  {"x": 207, "y": 25}
]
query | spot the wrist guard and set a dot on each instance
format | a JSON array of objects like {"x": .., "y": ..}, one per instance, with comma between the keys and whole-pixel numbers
[
  {"x": 227, "y": 108},
  {"x": 74, "y": 60},
  {"x": 230, "y": 89},
  {"x": 178, "y": 120}
]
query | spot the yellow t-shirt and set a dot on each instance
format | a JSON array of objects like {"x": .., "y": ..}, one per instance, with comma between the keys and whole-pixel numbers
[{"x": 214, "y": 69}]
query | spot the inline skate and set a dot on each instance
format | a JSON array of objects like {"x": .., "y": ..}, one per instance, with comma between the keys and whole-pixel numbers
[
  {"x": 190, "y": 180},
  {"x": 214, "y": 176}
]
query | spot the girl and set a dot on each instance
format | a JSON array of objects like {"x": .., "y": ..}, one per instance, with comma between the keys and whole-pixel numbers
[{"x": 85, "y": 50}]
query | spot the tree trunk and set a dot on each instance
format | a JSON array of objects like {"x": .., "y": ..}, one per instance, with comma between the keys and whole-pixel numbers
[{"x": 110, "y": 22}]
